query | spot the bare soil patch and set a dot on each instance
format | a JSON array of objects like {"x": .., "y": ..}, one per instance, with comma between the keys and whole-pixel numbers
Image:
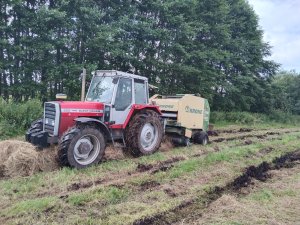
[
  {"x": 144, "y": 167},
  {"x": 231, "y": 131},
  {"x": 148, "y": 185},
  {"x": 161, "y": 166},
  {"x": 250, "y": 133},
  {"x": 77, "y": 186}
]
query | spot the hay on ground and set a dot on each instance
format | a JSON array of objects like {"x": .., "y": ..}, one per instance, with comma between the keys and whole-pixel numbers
[
  {"x": 166, "y": 144},
  {"x": 18, "y": 158}
]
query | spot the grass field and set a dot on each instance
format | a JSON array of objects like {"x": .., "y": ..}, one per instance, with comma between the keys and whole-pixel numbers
[{"x": 196, "y": 185}]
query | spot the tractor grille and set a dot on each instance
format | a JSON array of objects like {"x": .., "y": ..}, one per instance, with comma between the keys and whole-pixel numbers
[{"x": 51, "y": 118}]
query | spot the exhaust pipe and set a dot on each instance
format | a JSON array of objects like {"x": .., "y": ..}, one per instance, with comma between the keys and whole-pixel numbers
[{"x": 83, "y": 75}]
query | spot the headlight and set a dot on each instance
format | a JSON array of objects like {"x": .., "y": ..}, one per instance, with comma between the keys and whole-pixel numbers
[{"x": 49, "y": 122}]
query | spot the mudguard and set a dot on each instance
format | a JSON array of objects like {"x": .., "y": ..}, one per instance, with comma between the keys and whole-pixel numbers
[
  {"x": 137, "y": 108},
  {"x": 102, "y": 125}
]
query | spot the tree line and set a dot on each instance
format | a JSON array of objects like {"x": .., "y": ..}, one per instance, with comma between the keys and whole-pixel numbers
[{"x": 214, "y": 48}]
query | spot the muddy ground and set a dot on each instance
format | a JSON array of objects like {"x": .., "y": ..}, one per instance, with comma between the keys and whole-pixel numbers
[
  {"x": 195, "y": 185},
  {"x": 239, "y": 187}
]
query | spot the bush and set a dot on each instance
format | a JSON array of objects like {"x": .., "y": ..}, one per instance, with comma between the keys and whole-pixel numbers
[
  {"x": 235, "y": 117},
  {"x": 248, "y": 118},
  {"x": 282, "y": 117},
  {"x": 15, "y": 118}
]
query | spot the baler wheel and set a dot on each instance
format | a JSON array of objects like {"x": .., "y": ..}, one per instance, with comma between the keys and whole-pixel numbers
[
  {"x": 201, "y": 137},
  {"x": 81, "y": 146},
  {"x": 143, "y": 134}
]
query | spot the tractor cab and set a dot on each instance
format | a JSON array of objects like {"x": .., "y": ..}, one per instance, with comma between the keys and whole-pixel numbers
[{"x": 118, "y": 91}]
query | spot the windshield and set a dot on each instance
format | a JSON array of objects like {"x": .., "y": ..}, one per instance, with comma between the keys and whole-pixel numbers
[{"x": 101, "y": 89}]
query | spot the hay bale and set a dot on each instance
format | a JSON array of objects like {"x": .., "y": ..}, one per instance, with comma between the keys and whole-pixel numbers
[
  {"x": 7, "y": 148},
  {"x": 20, "y": 158},
  {"x": 22, "y": 162}
]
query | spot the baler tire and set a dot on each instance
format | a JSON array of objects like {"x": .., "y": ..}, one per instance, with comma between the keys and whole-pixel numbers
[
  {"x": 134, "y": 130},
  {"x": 201, "y": 138},
  {"x": 68, "y": 142}
]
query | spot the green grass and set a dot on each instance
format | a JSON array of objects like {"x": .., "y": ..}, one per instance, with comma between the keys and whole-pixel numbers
[
  {"x": 184, "y": 168},
  {"x": 264, "y": 195},
  {"x": 106, "y": 195},
  {"x": 158, "y": 156},
  {"x": 30, "y": 206}
]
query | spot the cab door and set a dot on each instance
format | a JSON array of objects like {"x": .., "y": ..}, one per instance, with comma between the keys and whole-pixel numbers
[
  {"x": 123, "y": 100},
  {"x": 140, "y": 92}
]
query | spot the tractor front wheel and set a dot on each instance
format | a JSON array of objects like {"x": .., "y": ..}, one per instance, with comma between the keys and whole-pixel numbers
[
  {"x": 144, "y": 134},
  {"x": 81, "y": 146},
  {"x": 36, "y": 126}
]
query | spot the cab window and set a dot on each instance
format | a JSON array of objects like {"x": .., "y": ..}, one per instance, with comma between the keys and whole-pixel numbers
[
  {"x": 124, "y": 94},
  {"x": 140, "y": 92}
]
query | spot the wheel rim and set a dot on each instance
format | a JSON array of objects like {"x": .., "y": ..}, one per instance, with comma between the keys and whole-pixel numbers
[
  {"x": 86, "y": 149},
  {"x": 205, "y": 141},
  {"x": 149, "y": 136}
]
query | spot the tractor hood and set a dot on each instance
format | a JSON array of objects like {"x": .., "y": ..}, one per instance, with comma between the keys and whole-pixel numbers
[
  {"x": 81, "y": 109},
  {"x": 69, "y": 111}
]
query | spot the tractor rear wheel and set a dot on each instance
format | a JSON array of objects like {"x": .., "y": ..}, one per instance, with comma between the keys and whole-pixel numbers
[
  {"x": 201, "y": 137},
  {"x": 143, "y": 134},
  {"x": 81, "y": 146}
]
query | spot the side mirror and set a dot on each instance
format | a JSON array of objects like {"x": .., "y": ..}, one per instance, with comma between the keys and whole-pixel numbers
[{"x": 61, "y": 96}]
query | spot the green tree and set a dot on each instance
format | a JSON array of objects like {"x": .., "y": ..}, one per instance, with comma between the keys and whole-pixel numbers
[
  {"x": 214, "y": 48},
  {"x": 286, "y": 92}
]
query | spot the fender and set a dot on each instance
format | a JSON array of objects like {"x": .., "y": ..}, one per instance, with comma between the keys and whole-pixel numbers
[
  {"x": 102, "y": 125},
  {"x": 136, "y": 108}
]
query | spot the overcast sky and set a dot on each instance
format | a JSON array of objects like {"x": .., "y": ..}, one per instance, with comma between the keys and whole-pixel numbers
[{"x": 280, "y": 20}]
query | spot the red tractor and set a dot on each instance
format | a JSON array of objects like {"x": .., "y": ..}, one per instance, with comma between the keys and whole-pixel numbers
[{"x": 116, "y": 109}]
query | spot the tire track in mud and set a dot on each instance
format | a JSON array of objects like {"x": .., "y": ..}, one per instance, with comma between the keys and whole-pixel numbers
[
  {"x": 259, "y": 136},
  {"x": 232, "y": 131},
  {"x": 193, "y": 208},
  {"x": 141, "y": 168}
]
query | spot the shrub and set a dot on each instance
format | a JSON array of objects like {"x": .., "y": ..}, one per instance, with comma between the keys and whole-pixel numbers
[
  {"x": 248, "y": 118},
  {"x": 16, "y": 117},
  {"x": 235, "y": 117}
]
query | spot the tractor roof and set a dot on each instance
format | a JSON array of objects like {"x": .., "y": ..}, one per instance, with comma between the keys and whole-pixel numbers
[{"x": 118, "y": 73}]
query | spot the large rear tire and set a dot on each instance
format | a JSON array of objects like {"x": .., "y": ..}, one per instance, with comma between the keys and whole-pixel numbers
[
  {"x": 81, "y": 147},
  {"x": 143, "y": 134}
]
